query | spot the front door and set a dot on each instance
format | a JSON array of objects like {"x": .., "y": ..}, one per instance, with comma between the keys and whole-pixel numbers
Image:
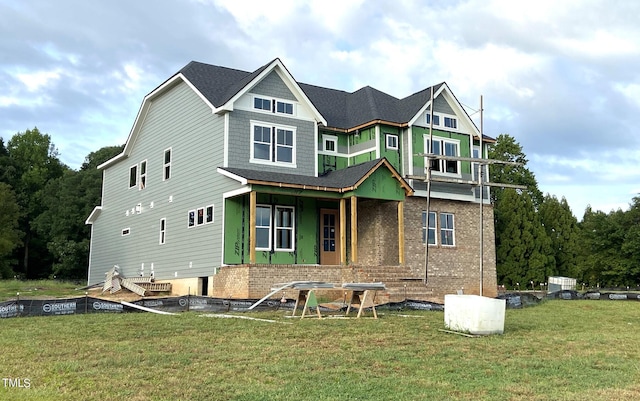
[{"x": 329, "y": 237}]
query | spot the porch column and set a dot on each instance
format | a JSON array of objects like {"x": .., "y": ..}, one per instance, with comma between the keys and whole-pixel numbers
[
  {"x": 252, "y": 227},
  {"x": 354, "y": 230},
  {"x": 401, "y": 232},
  {"x": 343, "y": 231}
]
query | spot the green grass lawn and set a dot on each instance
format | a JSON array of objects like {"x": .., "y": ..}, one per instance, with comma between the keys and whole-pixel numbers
[
  {"x": 38, "y": 288},
  {"x": 559, "y": 350}
]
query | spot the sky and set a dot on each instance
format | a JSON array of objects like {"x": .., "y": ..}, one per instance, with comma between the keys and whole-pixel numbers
[{"x": 561, "y": 77}]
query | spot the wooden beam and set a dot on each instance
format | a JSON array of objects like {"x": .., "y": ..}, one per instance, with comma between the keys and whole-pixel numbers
[
  {"x": 343, "y": 231},
  {"x": 252, "y": 227},
  {"x": 354, "y": 230},
  {"x": 401, "y": 232}
]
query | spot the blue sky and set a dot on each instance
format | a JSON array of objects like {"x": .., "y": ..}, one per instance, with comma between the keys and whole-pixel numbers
[{"x": 561, "y": 77}]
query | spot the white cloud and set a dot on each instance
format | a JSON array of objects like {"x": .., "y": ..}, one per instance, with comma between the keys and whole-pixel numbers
[{"x": 36, "y": 81}]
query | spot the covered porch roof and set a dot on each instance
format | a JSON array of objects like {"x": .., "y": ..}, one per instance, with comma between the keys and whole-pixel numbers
[{"x": 359, "y": 180}]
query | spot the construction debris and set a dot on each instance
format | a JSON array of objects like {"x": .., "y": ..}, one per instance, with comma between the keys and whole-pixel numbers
[{"x": 115, "y": 281}]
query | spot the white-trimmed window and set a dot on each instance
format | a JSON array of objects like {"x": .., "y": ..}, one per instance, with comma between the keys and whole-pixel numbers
[
  {"x": 261, "y": 143},
  {"x": 446, "y": 147},
  {"x": 133, "y": 176},
  {"x": 436, "y": 119},
  {"x": 163, "y": 231},
  {"x": 261, "y": 103},
  {"x": 166, "y": 165},
  {"x": 284, "y": 107},
  {"x": 126, "y": 231},
  {"x": 276, "y": 106},
  {"x": 451, "y": 122},
  {"x": 284, "y": 228},
  {"x": 192, "y": 218},
  {"x": 284, "y": 145},
  {"x": 200, "y": 217},
  {"x": 430, "y": 228},
  {"x": 273, "y": 144},
  {"x": 447, "y": 229},
  {"x": 209, "y": 215},
  {"x": 392, "y": 141},
  {"x": 330, "y": 143},
  {"x": 143, "y": 174},
  {"x": 263, "y": 227}
]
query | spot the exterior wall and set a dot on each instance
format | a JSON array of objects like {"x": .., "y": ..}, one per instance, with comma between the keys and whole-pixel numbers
[
  {"x": 272, "y": 85},
  {"x": 458, "y": 267},
  {"x": 181, "y": 121},
  {"x": 240, "y": 142},
  {"x": 392, "y": 155},
  {"x": 377, "y": 233},
  {"x": 329, "y": 161},
  {"x": 306, "y": 230}
]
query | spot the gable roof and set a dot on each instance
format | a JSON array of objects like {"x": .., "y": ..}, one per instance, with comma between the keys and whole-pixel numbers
[
  {"x": 341, "y": 110},
  {"x": 220, "y": 86},
  {"x": 343, "y": 180}
]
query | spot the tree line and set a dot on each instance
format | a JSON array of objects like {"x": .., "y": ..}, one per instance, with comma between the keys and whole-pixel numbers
[
  {"x": 44, "y": 205},
  {"x": 43, "y": 208},
  {"x": 538, "y": 236}
]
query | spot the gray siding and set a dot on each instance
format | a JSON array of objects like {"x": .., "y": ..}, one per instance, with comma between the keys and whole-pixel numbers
[
  {"x": 240, "y": 142},
  {"x": 272, "y": 85},
  {"x": 179, "y": 120},
  {"x": 440, "y": 105}
]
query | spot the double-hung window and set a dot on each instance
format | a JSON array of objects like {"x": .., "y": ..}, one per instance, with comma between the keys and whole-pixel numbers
[
  {"x": 447, "y": 229},
  {"x": 263, "y": 228},
  {"x": 163, "y": 231},
  {"x": 284, "y": 228},
  {"x": 166, "y": 166},
  {"x": 275, "y": 228},
  {"x": 133, "y": 176},
  {"x": 446, "y": 147},
  {"x": 143, "y": 174},
  {"x": 430, "y": 228},
  {"x": 273, "y": 144}
]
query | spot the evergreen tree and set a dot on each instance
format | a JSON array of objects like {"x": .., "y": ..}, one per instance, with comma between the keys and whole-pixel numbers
[
  {"x": 562, "y": 229},
  {"x": 507, "y": 149},
  {"x": 522, "y": 246}
]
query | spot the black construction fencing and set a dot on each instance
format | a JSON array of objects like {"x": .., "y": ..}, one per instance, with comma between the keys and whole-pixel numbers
[{"x": 80, "y": 305}]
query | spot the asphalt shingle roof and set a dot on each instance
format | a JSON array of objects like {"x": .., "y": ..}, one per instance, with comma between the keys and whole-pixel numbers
[
  {"x": 341, "y": 109},
  {"x": 344, "y": 178}
]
